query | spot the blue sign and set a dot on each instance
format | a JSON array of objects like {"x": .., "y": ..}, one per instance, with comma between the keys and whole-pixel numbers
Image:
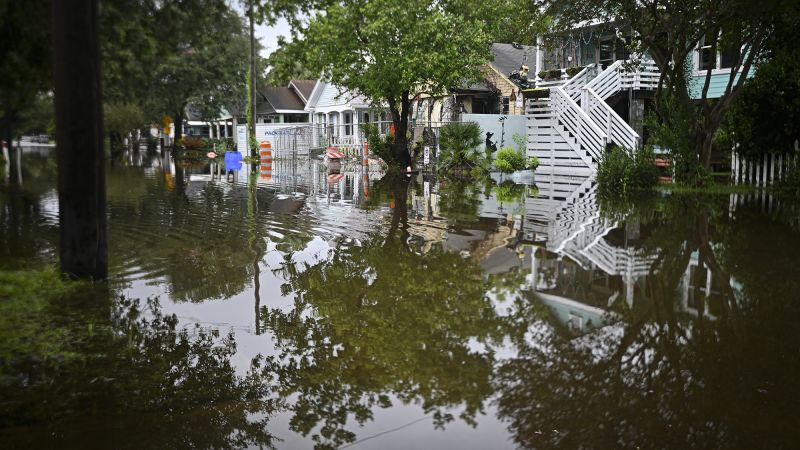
[{"x": 233, "y": 161}]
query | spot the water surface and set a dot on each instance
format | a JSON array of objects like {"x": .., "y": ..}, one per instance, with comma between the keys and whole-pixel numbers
[{"x": 310, "y": 309}]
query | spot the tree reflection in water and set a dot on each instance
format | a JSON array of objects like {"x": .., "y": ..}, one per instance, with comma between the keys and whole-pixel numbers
[
  {"x": 719, "y": 375},
  {"x": 378, "y": 321},
  {"x": 127, "y": 377}
]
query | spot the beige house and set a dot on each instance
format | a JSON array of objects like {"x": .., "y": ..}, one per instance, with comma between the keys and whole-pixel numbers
[{"x": 497, "y": 93}]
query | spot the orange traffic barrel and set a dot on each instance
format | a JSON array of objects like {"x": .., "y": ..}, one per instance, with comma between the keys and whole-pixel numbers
[{"x": 266, "y": 150}]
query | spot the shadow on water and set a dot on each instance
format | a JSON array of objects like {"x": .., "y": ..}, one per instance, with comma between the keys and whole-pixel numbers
[{"x": 502, "y": 315}]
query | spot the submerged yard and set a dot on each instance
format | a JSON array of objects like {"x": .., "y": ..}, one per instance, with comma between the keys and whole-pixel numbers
[{"x": 304, "y": 309}]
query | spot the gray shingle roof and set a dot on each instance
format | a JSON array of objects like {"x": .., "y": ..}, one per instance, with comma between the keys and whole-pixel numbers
[
  {"x": 305, "y": 87},
  {"x": 508, "y": 58},
  {"x": 282, "y": 98}
]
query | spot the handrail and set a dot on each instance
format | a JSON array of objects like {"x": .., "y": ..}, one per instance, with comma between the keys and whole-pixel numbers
[
  {"x": 617, "y": 130},
  {"x": 588, "y": 136},
  {"x": 573, "y": 86}
]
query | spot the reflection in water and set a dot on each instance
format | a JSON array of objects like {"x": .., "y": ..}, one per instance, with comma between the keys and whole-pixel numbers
[
  {"x": 578, "y": 322},
  {"x": 111, "y": 373}
]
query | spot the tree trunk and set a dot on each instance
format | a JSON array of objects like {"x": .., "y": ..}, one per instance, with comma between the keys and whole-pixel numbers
[
  {"x": 83, "y": 251},
  {"x": 400, "y": 121},
  {"x": 8, "y": 137},
  {"x": 178, "y": 128},
  {"x": 235, "y": 133}
]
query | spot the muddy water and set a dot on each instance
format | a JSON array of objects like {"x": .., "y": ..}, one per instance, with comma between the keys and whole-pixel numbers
[{"x": 354, "y": 310}]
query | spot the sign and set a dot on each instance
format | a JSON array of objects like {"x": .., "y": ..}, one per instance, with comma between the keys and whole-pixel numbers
[
  {"x": 233, "y": 161},
  {"x": 166, "y": 121},
  {"x": 241, "y": 137},
  {"x": 427, "y": 155},
  {"x": 426, "y": 188}
]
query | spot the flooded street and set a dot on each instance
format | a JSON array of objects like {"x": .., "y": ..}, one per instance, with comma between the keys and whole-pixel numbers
[{"x": 303, "y": 308}]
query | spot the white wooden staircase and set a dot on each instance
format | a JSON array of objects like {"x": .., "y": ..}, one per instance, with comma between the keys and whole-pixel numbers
[{"x": 570, "y": 130}]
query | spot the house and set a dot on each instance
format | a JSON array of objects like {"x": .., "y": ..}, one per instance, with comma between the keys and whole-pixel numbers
[
  {"x": 340, "y": 112},
  {"x": 597, "y": 94},
  {"x": 283, "y": 104},
  {"x": 499, "y": 92}
]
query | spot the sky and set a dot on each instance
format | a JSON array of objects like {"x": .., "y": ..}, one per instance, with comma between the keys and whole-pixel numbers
[{"x": 267, "y": 35}]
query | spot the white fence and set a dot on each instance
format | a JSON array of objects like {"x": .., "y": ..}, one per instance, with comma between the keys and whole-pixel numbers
[{"x": 761, "y": 171}]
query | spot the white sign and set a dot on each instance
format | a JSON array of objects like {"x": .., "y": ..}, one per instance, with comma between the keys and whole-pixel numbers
[
  {"x": 426, "y": 187},
  {"x": 427, "y": 155}
]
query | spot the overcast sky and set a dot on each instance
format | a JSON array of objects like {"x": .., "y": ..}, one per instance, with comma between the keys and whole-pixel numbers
[{"x": 268, "y": 36}]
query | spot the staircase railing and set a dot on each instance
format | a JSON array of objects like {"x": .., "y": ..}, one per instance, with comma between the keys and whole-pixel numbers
[
  {"x": 578, "y": 128},
  {"x": 607, "y": 82},
  {"x": 617, "y": 130},
  {"x": 645, "y": 77},
  {"x": 574, "y": 85}
]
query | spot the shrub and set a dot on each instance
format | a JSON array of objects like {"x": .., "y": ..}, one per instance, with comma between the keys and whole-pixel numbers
[
  {"x": 192, "y": 143},
  {"x": 789, "y": 184},
  {"x": 619, "y": 172},
  {"x": 509, "y": 192},
  {"x": 458, "y": 143},
  {"x": 379, "y": 146},
  {"x": 509, "y": 160},
  {"x": 572, "y": 71}
]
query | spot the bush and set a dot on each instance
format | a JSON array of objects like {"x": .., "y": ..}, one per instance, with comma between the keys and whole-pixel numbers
[
  {"x": 509, "y": 160},
  {"x": 572, "y": 71},
  {"x": 789, "y": 184},
  {"x": 458, "y": 143},
  {"x": 379, "y": 146},
  {"x": 619, "y": 172},
  {"x": 192, "y": 143}
]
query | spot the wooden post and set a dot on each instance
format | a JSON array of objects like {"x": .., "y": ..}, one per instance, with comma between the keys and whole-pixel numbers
[{"x": 83, "y": 251}]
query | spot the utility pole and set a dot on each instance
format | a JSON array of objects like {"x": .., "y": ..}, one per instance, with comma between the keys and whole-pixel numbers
[
  {"x": 253, "y": 82},
  {"x": 83, "y": 250}
]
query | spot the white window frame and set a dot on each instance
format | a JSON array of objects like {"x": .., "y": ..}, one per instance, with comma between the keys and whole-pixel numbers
[{"x": 696, "y": 61}]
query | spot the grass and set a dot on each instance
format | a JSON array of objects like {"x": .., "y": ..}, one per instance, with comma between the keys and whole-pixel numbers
[
  {"x": 713, "y": 188},
  {"x": 27, "y": 327}
]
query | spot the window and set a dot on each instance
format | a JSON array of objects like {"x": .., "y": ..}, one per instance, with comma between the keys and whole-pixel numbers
[
  {"x": 348, "y": 124},
  {"x": 505, "y": 105},
  {"x": 723, "y": 59}
]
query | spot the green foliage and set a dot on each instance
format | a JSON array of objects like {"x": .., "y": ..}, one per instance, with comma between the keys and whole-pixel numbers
[
  {"x": 287, "y": 62},
  {"x": 789, "y": 184},
  {"x": 37, "y": 117},
  {"x": 458, "y": 142},
  {"x": 379, "y": 146},
  {"x": 572, "y": 71},
  {"x": 122, "y": 118},
  {"x": 193, "y": 143},
  {"x": 382, "y": 54},
  {"x": 392, "y": 50},
  {"x": 764, "y": 116},
  {"x": 621, "y": 173},
  {"x": 458, "y": 154},
  {"x": 509, "y": 160},
  {"x": 509, "y": 192},
  {"x": 25, "y": 62}
]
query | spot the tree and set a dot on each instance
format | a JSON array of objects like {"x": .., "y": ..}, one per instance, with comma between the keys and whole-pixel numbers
[
  {"x": 83, "y": 251},
  {"x": 764, "y": 116},
  {"x": 25, "y": 64},
  {"x": 129, "y": 47},
  {"x": 368, "y": 326},
  {"x": 669, "y": 31},
  {"x": 198, "y": 56},
  {"x": 287, "y": 63},
  {"x": 395, "y": 50}
]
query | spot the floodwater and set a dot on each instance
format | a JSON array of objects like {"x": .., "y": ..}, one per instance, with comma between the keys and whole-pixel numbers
[{"x": 303, "y": 309}]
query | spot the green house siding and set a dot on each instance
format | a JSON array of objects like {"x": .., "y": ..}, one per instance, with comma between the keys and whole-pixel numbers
[{"x": 719, "y": 81}]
